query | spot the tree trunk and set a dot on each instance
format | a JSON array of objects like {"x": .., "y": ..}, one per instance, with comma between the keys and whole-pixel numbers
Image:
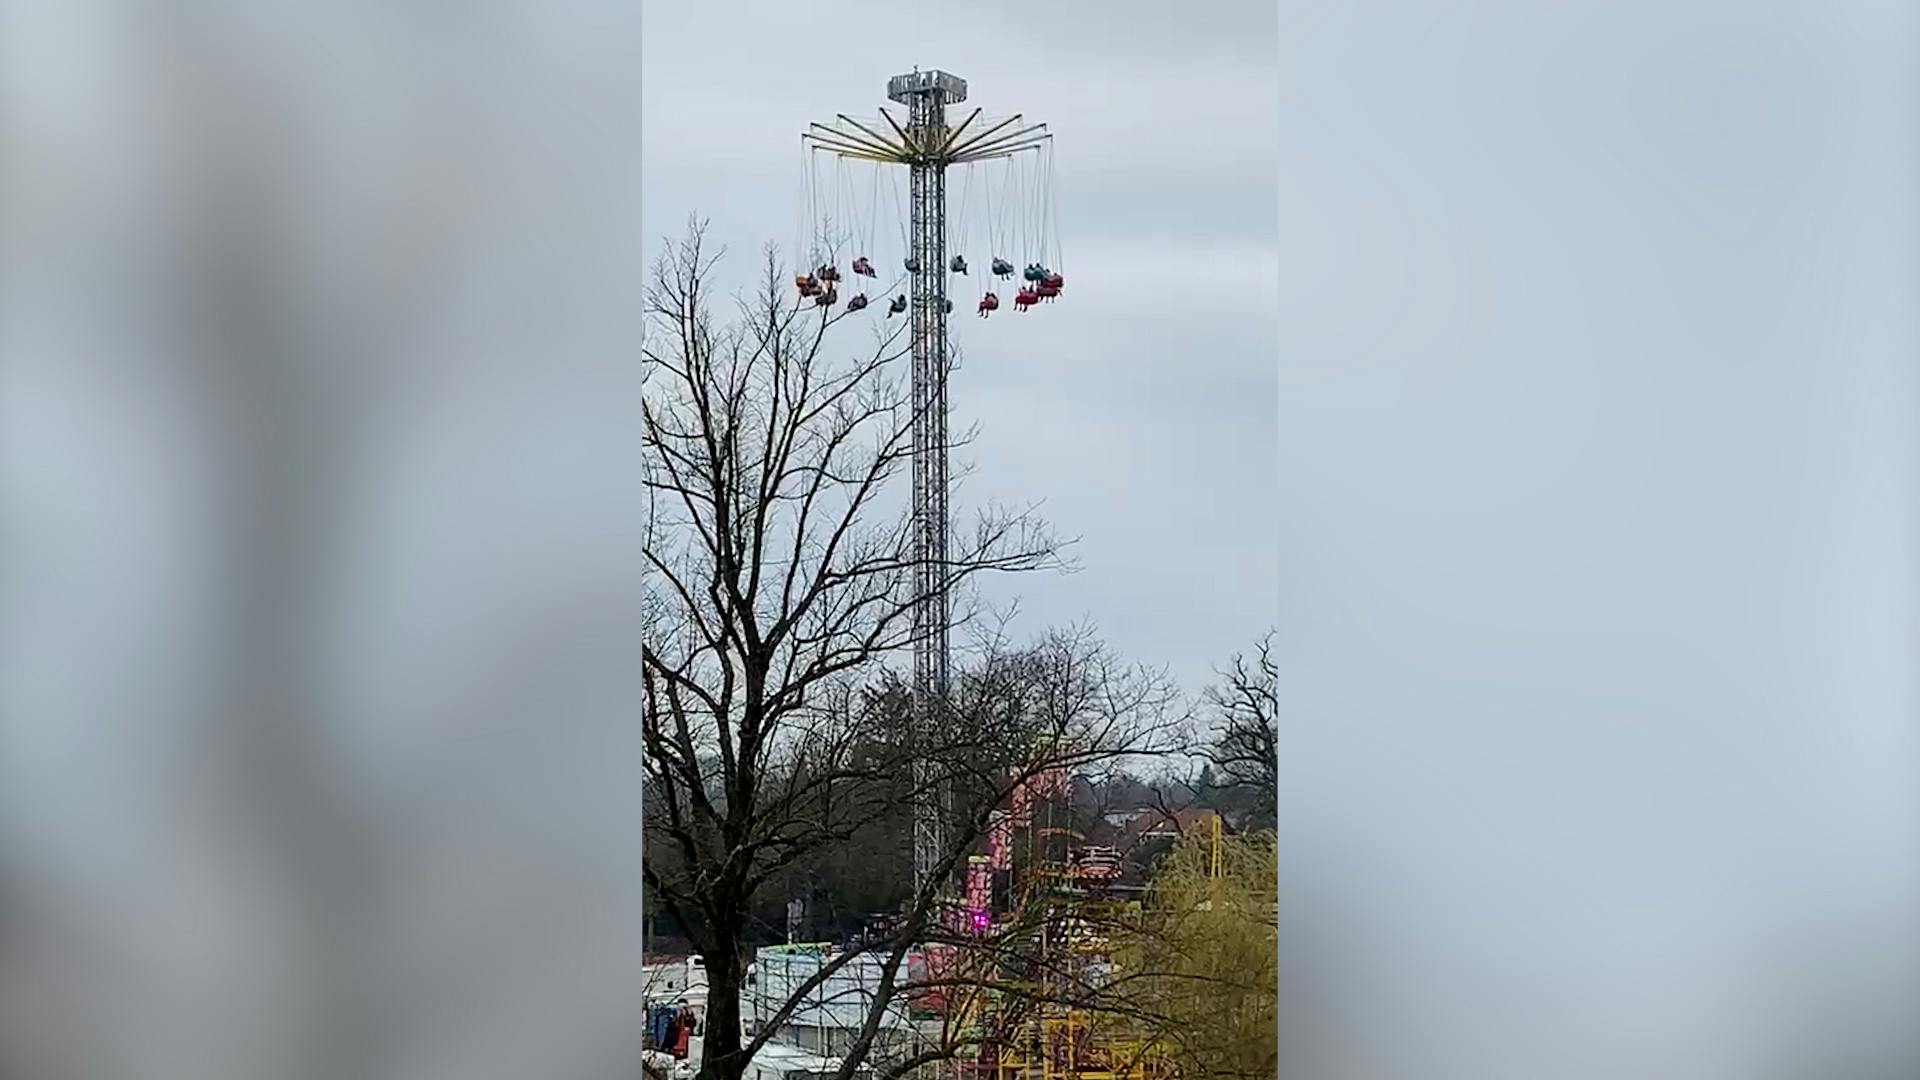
[{"x": 720, "y": 1029}]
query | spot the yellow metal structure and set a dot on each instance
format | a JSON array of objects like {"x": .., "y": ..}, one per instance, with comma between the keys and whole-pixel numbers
[{"x": 1056, "y": 1041}]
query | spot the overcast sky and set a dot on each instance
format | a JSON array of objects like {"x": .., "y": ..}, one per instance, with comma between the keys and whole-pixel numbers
[{"x": 1140, "y": 407}]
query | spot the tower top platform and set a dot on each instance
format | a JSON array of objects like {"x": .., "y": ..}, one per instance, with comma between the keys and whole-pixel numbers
[{"x": 904, "y": 88}]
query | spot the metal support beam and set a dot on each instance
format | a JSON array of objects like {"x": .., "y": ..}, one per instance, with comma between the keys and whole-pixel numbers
[{"x": 927, "y": 112}]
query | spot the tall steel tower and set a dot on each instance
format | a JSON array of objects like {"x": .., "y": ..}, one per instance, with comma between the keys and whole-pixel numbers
[{"x": 926, "y": 145}]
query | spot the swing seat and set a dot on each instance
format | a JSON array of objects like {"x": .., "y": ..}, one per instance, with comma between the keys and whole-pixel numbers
[
  {"x": 1033, "y": 272},
  {"x": 946, "y": 306},
  {"x": 829, "y": 273},
  {"x": 912, "y": 264},
  {"x": 864, "y": 268},
  {"x": 1047, "y": 292},
  {"x": 988, "y": 303},
  {"x": 856, "y": 302},
  {"x": 959, "y": 264},
  {"x": 1054, "y": 282},
  {"x": 806, "y": 284},
  {"x": 899, "y": 305},
  {"x": 1002, "y": 267},
  {"x": 1025, "y": 298},
  {"x": 827, "y": 297}
]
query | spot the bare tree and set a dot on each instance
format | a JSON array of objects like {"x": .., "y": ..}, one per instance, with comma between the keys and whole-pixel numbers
[
  {"x": 781, "y": 586},
  {"x": 1245, "y": 753}
]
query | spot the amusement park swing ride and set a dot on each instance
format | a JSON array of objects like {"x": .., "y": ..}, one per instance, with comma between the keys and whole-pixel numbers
[
  {"x": 1011, "y": 159},
  {"x": 1005, "y": 213}
]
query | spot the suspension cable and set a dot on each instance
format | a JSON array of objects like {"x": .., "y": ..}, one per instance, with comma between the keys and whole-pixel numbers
[{"x": 1053, "y": 199}]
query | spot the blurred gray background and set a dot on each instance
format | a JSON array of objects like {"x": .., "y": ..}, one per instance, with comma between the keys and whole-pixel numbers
[
  {"x": 1598, "y": 476},
  {"x": 318, "y": 701}
]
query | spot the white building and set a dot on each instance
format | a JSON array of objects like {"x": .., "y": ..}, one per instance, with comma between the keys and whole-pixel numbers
[
  {"x": 831, "y": 1014},
  {"x": 669, "y": 979}
]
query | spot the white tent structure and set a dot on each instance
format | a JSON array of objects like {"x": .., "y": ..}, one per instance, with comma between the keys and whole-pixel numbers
[{"x": 830, "y": 1014}]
